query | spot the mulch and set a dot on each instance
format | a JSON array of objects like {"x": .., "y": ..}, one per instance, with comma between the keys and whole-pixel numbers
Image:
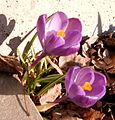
[{"x": 102, "y": 57}]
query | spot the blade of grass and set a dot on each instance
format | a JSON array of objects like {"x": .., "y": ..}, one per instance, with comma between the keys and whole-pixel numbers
[
  {"x": 49, "y": 85},
  {"x": 21, "y": 57},
  {"x": 28, "y": 45},
  {"x": 22, "y": 60},
  {"x": 49, "y": 78}
]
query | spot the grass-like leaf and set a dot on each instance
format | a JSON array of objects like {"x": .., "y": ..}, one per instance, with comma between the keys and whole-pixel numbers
[
  {"x": 28, "y": 46},
  {"x": 49, "y": 85},
  {"x": 49, "y": 78}
]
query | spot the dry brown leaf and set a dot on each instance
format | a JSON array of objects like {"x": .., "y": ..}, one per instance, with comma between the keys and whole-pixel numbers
[
  {"x": 87, "y": 44},
  {"x": 83, "y": 61},
  {"x": 45, "y": 107},
  {"x": 67, "y": 61},
  {"x": 93, "y": 115},
  {"x": 107, "y": 63},
  {"x": 109, "y": 42},
  {"x": 64, "y": 115},
  {"x": 10, "y": 64},
  {"x": 51, "y": 95},
  {"x": 67, "y": 117}
]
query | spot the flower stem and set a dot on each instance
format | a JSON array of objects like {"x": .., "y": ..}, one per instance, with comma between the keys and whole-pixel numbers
[
  {"x": 60, "y": 100},
  {"x": 39, "y": 57}
]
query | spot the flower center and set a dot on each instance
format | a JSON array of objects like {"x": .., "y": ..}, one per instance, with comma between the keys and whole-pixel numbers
[
  {"x": 61, "y": 33},
  {"x": 87, "y": 86}
]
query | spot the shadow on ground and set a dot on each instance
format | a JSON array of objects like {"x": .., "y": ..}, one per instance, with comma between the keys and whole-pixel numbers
[
  {"x": 6, "y": 30},
  {"x": 10, "y": 85}
]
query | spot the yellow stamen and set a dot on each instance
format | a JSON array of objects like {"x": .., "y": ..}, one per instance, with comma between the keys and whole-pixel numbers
[
  {"x": 61, "y": 33},
  {"x": 87, "y": 86}
]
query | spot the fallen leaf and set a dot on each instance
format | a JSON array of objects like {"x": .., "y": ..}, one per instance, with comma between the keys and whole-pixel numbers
[
  {"x": 87, "y": 45},
  {"x": 65, "y": 59},
  {"x": 93, "y": 115},
  {"x": 67, "y": 117},
  {"x": 65, "y": 114},
  {"x": 51, "y": 95},
  {"x": 45, "y": 107},
  {"x": 66, "y": 62},
  {"x": 10, "y": 64}
]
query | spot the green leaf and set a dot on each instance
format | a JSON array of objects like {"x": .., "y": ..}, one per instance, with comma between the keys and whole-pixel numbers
[
  {"x": 49, "y": 78},
  {"x": 21, "y": 57},
  {"x": 28, "y": 45},
  {"x": 22, "y": 60},
  {"x": 49, "y": 85}
]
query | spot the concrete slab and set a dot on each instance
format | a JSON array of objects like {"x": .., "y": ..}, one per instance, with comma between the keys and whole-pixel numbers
[{"x": 12, "y": 101}]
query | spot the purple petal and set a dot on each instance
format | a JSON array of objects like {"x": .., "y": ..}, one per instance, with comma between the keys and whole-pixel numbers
[
  {"x": 70, "y": 76},
  {"x": 39, "y": 57},
  {"x": 85, "y": 75},
  {"x": 41, "y": 28},
  {"x": 75, "y": 91},
  {"x": 74, "y": 24},
  {"x": 97, "y": 91},
  {"x": 72, "y": 38},
  {"x": 98, "y": 87},
  {"x": 61, "y": 51},
  {"x": 58, "y": 22},
  {"x": 52, "y": 42},
  {"x": 84, "y": 101},
  {"x": 100, "y": 79}
]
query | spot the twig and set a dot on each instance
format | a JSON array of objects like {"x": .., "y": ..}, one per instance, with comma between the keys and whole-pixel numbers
[{"x": 28, "y": 33}]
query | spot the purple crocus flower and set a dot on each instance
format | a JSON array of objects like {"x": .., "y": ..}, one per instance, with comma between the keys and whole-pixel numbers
[
  {"x": 59, "y": 36},
  {"x": 85, "y": 86}
]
